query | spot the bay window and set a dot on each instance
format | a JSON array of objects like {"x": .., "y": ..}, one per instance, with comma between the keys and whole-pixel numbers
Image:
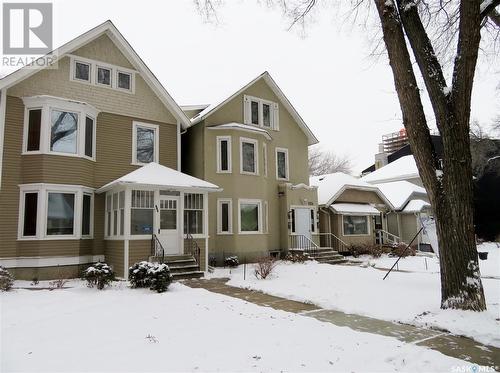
[
  {"x": 141, "y": 213},
  {"x": 224, "y": 216},
  {"x": 223, "y": 154},
  {"x": 282, "y": 164},
  {"x": 249, "y": 156},
  {"x": 193, "y": 213},
  {"x": 354, "y": 225},
  {"x": 30, "y": 214},
  {"x": 58, "y": 126},
  {"x": 250, "y": 216},
  {"x": 86, "y": 214}
]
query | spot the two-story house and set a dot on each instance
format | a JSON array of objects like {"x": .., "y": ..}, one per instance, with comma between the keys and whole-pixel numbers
[
  {"x": 254, "y": 145},
  {"x": 90, "y": 164}
]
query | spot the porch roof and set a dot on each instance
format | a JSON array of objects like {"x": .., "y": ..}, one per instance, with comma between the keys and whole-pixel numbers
[
  {"x": 156, "y": 175},
  {"x": 354, "y": 209},
  {"x": 416, "y": 205}
]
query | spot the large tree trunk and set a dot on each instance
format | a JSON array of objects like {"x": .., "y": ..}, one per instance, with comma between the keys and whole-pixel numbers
[{"x": 451, "y": 194}]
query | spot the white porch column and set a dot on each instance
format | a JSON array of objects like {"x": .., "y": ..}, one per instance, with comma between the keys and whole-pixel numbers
[
  {"x": 126, "y": 232},
  {"x": 398, "y": 218},
  {"x": 181, "y": 221},
  {"x": 205, "y": 227}
]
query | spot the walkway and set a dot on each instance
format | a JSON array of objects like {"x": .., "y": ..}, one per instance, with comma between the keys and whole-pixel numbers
[{"x": 448, "y": 344}]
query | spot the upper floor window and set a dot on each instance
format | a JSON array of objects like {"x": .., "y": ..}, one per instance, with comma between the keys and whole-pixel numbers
[
  {"x": 223, "y": 154},
  {"x": 57, "y": 126},
  {"x": 282, "y": 164},
  {"x": 145, "y": 142},
  {"x": 249, "y": 156},
  {"x": 102, "y": 74},
  {"x": 260, "y": 112}
]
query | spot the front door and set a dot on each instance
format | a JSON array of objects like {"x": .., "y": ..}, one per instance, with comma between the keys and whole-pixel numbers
[
  {"x": 303, "y": 221},
  {"x": 168, "y": 233}
]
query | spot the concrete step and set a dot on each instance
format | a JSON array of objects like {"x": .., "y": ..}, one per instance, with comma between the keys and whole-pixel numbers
[
  {"x": 186, "y": 275},
  {"x": 184, "y": 268},
  {"x": 330, "y": 257},
  {"x": 325, "y": 253},
  {"x": 333, "y": 261}
]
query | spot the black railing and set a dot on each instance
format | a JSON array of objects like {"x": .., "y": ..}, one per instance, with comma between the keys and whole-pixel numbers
[
  {"x": 299, "y": 242},
  {"x": 191, "y": 247},
  {"x": 157, "y": 249}
]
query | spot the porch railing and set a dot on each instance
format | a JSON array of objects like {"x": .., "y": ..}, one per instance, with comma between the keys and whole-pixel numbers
[
  {"x": 386, "y": 237},
  {"x": 332, "y": 241},
  {"x": 157, "y": 249},
  {"x": 302, "y": 243},
  {"x": 191, "y": 247}
]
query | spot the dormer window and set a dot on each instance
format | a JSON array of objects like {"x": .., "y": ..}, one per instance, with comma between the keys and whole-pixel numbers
[
  {"x": 104, "y": 76},
  {"x": 82, "y": 71},
  {"x": 260, "y": 112}
]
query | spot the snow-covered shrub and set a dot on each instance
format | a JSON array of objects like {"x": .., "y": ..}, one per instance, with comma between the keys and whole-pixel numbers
[
  {"x": 399, "y": 250},
  {"x": 231, "y": 261},
  {"x": 6, "y": 279},
  {"x": 99, "y": 275},
  {"x": 297, "y": 257},
  {"x": 365, "y": 249},
  {"x": 264, "y": 267},
  {"x": 144, "y": 274}
]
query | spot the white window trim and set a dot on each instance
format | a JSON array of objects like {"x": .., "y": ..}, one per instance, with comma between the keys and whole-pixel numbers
[
  {"x": 358, "y": 235},
  {"x": 43, "y": 191},
  {"x": 265, "y": 156},
  {"x": 282, "y": 150},
  {"x": 111, "y": 77},
  {"x": 156, "y": 155},
  {"x": 93, "y": 74},
  {"x": 258, "y": 202},
  {"x": 247, "y": 112},
  {"x": 204, "y": 227},
  {"x": 229, "y": 158},
  {"x": 315, "y": 217},
  {"x": 266, "y": 217},
  {"x": 221, "y": 201},
  {"x": 47, "y": 104},
  {"x": 256, "y": 155}
]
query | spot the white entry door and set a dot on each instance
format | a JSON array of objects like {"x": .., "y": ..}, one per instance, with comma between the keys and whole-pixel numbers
[
  {"x": 168, "y": 233},
  {"x": 303, "y": 221}
]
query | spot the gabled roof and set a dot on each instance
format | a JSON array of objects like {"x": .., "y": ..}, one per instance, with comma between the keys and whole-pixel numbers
[
  {"x": 331, "y": 186},
  {"x": 156, "y": 175},
  {"x": 110, "y": 29},
  {"x": 401, "y": 169},
  {"x": 400, "y": 192},
  {"x": 354, "y": 209},
  {"x": 416, "y": 205},
  {"x": 276, "y": 90}
]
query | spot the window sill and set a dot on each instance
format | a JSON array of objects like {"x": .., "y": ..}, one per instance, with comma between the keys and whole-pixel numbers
[
  {"x": 224, "y": 172},
  {"x": 249, "y": 173},
  {"x": 250, "y": 233},
  {"x": 225, "y": 233}
]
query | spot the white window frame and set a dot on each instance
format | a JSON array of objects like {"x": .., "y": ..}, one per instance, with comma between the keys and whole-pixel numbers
[
  {"x": 256, "y": 155},
  {"x": 266, "y": 217},
  {"x": 47, "y": 104},
  {"x": 247, "y": 112},
  {"x": 115, "y": 69},
  {"x": 368, "y": 227},
  {"x": 43, "y": 191},
  {"x": 265, "y": 156},
  {"x": 287, "y": 163},
  {"x": 156, "y": 152},
  {"x": 220, "y": 202},
  {"x": 111, "y": 77},
  {"x": 257, "y": 202},
  {"x": 219, "y": 154},
  {"x": 204, "y": 223}
]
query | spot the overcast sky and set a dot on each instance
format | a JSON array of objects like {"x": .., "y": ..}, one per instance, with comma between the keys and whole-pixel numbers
[{"x": 346, "y": 97}]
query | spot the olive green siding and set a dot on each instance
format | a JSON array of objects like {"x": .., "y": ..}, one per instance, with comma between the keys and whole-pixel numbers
[
  {"x": 138, "y": 250},
  {"x": 200, "y": 160},
  {"x": 48, "y": 273},
  {"x": 114, "y": 254},
  {"x": 359, "y": 196}
]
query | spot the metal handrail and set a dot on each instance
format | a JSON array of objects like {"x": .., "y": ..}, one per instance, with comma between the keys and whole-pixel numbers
[
  {"x": 328, "y": 239},
  {"x": 303, "y": 243},
  {"x": 157, "y": 249},
  {"x": 192, "y": 248}
]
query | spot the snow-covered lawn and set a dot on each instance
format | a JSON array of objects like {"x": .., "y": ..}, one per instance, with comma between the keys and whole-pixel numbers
[
  {"x": 404, "y": 296},
  {"x": 131, "y": 330}
]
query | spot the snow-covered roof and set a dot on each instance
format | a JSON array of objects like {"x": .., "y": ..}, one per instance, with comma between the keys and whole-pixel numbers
[
  {"x": 276, "y": 90},
  {"x": 400, "y": 192},
  {"x": 401, "y": 169},
  {"x": 416, "y": 205},
  {"x": 156, "y": 175},
  {"x": 331, "y": 186},
  {"x": 354, "y": 209},
  {"x": 243, "y": 127}
]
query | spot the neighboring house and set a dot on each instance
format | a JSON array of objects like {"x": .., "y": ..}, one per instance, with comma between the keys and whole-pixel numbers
[
  {"x": 90, "y": 163},
  {"x": 254, "y": 145},
  {"x": 402, "y": 169},
  {"x": 410, "y": 208},
  {"x": 351, "y": 210}
]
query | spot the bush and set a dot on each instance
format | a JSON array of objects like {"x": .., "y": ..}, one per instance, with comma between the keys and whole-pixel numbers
[
  {"x": 99, "y": 275},
  {"x": 6, "y": 279},
  {"x": 264, "y": 267},
  {"x": 156, "y": 276},
  {"x": 365, "y": 249},
  {"x": 297, "y": 257},
  {"x": 231, "y": 261},
  {"x": 400, "y": 249}
]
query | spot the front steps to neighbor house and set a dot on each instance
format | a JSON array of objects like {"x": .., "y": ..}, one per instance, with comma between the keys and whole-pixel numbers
[
  {"x": 181, "y": 266},
  {"x": 328, "y": 256}
]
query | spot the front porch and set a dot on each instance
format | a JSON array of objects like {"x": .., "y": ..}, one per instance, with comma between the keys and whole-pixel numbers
[{"x": 159, "y": 214}]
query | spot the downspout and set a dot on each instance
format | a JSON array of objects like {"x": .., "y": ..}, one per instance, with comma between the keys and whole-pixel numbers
[{"x": 179, "y": 162}]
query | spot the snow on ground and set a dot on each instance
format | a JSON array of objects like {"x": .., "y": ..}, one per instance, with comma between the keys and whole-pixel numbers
[
  {"x": 403, "y": 296},
  {"x": 121, "y": 329}
]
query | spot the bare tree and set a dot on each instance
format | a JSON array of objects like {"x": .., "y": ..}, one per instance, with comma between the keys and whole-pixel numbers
[
  {"x": 409, "y": 25},
  {"x": 326, "y": 162}
]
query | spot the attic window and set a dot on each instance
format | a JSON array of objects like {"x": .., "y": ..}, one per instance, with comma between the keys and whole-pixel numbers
[
  {"x": 124, "y": 80},
  {"x": 82, "y": 71},
  {"x": 260, "y": 112}
]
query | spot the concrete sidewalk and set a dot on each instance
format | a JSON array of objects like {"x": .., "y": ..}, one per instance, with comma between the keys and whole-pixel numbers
[{"x": 446, "y": 343}]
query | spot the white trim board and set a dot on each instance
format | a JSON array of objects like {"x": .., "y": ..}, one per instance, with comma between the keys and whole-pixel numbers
[{"x": 48, "y": 261}]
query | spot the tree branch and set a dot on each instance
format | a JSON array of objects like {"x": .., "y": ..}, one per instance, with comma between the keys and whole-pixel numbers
[
  {"x": 488, "y": 6},
  {"x": 495, "y": 17}
]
